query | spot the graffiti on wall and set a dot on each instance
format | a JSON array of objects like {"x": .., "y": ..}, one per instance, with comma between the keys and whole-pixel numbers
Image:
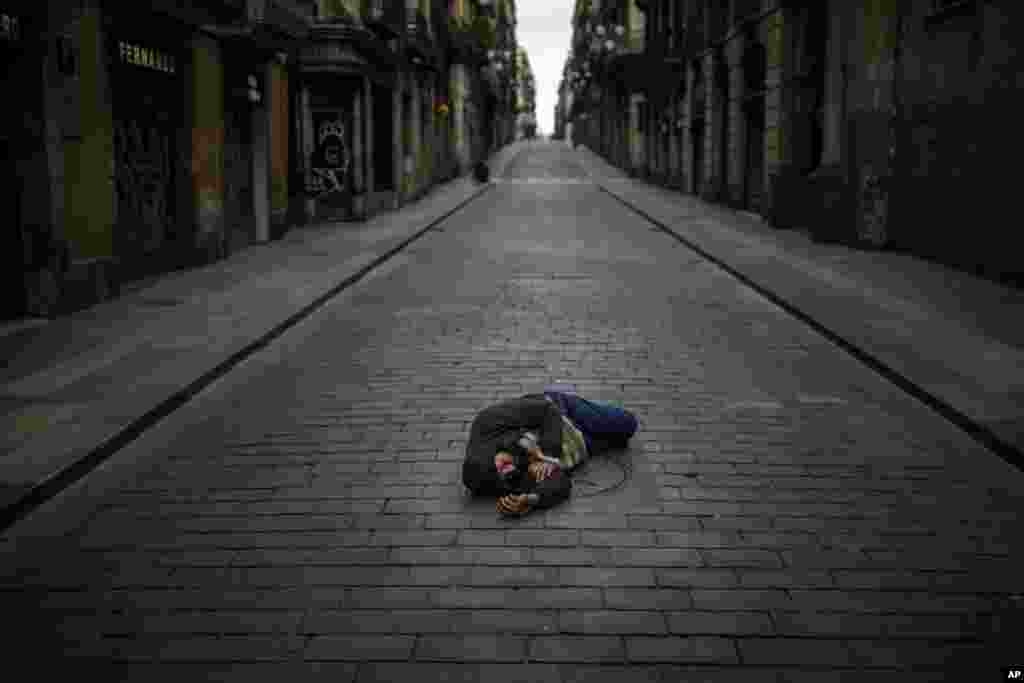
[
  {"x": 331, "y": 159},
  {"x": 144, "y": 176},
  {"x": 874, "y": 208}
]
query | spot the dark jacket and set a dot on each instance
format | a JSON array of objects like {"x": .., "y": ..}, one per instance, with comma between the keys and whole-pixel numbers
[{"x": 499, "y": 427}]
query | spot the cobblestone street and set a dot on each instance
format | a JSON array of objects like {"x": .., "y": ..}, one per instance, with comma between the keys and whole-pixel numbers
[{"x": 783, "y": 513}]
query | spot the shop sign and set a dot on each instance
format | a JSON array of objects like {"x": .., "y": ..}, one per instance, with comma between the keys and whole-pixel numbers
[
  {"x": 146, "y": 57},
  {"x": 10, "y": 28}
]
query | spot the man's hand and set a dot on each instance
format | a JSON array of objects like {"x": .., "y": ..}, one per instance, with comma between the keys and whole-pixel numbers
[
  {"x": 539, "y": 471},
  {"x": 515, "y": 504}
]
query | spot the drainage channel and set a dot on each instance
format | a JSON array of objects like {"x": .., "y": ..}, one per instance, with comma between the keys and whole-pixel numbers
[
  {"x": 977, "y": 431},
  {"x": 64, "y": 478}
]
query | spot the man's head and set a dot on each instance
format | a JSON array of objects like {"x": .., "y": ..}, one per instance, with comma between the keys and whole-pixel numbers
[
  {"x": 504, "y": 463},
  {"x": 510, "y": 465}
]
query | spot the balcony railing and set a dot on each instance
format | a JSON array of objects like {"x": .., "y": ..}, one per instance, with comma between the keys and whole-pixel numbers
[
  {"x": 416, "y": 25},
  {"x": 373, "y": 10},
  {"x": 419, "y": 39},
  {"x": 385, "y": 17}
]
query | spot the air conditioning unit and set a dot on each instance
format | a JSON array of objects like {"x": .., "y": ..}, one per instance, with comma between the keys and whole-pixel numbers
[
  {"x": 256, "y": 11},
  {"x": 375, "y": 9}
]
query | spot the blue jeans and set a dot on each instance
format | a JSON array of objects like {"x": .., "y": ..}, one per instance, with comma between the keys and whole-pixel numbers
[{"x": 596, "y": 420}]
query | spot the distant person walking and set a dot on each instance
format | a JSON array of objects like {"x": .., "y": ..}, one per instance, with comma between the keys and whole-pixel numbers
[{"x": 482, "y": 172}]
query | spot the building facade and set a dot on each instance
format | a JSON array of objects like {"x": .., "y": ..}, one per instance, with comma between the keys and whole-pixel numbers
[
  {"x": 164, "y": 135},
  {"x": 147, "y": 143},
  {"x": 526, "y": 98},
  {"x": 860, "y": 122}
]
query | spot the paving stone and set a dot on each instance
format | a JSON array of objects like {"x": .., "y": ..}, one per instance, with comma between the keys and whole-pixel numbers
[
  {"x": 376, "y": 598},
  {"x": 422, "y": 537},
  {"x": 617, "y": 538},
  {"x": 673, "y": 522},
  {"x": 234, "y": 672},
  {"x": 657, "y": 557},
  {"x": 606, "y": 576},
  {"x": 584, "y": 649},
  {"x": 469, "y": 648},
  {"x": 698, "y": 577},
  {"x": 510, "y": 598},
  {"x": 741, "y": 598},
  {"x": 647, "y": 598},
  {"x": 480, "y": 555},
  {"x": 536, "y": 621},
  {"x": 611, "y": 622},
  {"x": 726, "y": 623},
  {"x": 366, "y": 621},
  {"x": 796, "y": 651},
  {"x": 938, "y": 655},
  {"x": 630, "y": 673},
  {"x": 454, "y": 672},
  {"x": 205, "y": 649},
  {"x": 571, "y": 556},
  {"x": 356, "y": 647},
  {"x": 681, "y": 649}
]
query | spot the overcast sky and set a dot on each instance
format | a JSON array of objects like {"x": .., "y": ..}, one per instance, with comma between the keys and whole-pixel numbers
[{"x": 544, "y": 29}]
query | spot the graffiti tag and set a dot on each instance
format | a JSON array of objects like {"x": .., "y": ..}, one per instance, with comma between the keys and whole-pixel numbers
[{"x": 331, "y": 160}]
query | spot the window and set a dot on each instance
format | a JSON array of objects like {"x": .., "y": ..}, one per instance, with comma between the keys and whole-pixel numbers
[
  {"x": 945, "y": 9},
  {"x": 941, "y": 5},
  {"x": 699, "y": 95}
]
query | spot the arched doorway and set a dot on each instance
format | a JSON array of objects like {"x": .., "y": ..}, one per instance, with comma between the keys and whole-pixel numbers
[
  {"x": 699, "y": 106},
  {"x": 722, "y": 113},
  {"x": 755, "y": 65}
]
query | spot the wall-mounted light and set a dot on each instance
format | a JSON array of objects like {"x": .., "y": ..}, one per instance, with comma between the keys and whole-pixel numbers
[{"x": 67, "y": 55}]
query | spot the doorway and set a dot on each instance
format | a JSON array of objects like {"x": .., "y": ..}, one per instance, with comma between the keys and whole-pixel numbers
[
  {"x": 753, "y": 180},
  {"x": 238, "y": 171},
  {"x": 11, "y": 245},
  {"x": 724, "y": 118},
  {"x": 383, "y": 140},
  {"x": 755, "y": 72},
  {"x": 147, "y": 117},
  {"x": 697, "y": 158}
]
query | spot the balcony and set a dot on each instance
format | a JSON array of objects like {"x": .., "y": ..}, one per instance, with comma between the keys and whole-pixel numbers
[
  {"x": 416, "y": 24},
  {"x": 386, "y": 18},
  {"x": 420, "y": 47},
  {"x": 263, "y": 24},
  {"x": 488, "y": 7},
  {"x": 344, "y": 42},
  {"x": 468, "y": 43}
]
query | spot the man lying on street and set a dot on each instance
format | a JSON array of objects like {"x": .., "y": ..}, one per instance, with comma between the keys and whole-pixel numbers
[{"x": 522, "y": 450}]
